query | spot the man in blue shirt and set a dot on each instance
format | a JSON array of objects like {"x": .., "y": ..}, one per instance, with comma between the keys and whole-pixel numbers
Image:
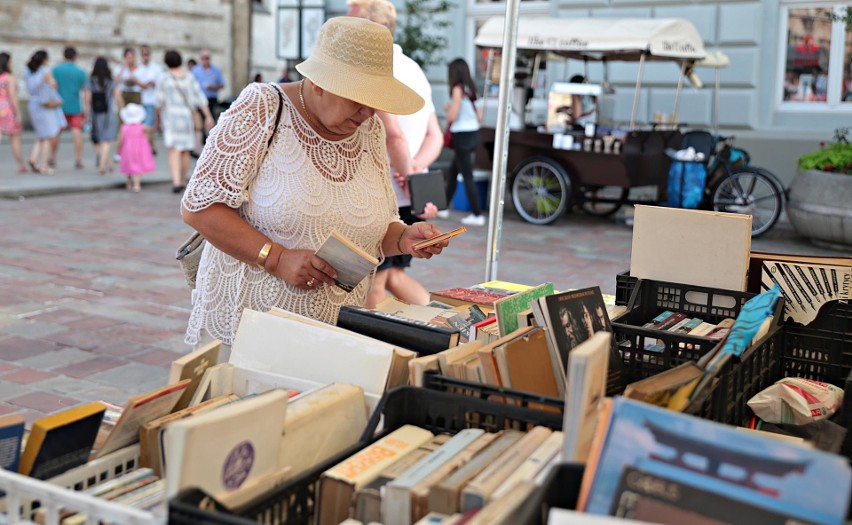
[
  {"x": 71, "y": 83},
  {"x": 211, "y": 81}
]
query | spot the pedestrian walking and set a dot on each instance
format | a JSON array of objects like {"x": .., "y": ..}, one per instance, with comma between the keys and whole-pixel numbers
[
  {"x": 45, "y": 107},
  {"x": 10, "y": 110},
  {"x": 199, "y": 133},
  {"x": 465, "y": 132},
  {"x": 71, "y": 83},
  {"x": 414, "y": 143},
  {"x": 147, "y": 75},
  {"x": 177, "y": 97},
  {"x": 134, "y": 148},
  {"x": 125, "y": 76},
  {"x": 210, "y": 78},
  {"x": 102, "y": 101}
]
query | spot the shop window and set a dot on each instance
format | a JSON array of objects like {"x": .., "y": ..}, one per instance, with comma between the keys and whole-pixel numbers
[{"x": 812, "y": 76}]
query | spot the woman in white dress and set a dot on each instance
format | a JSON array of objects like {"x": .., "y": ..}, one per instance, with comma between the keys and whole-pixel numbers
[
  {"x": 265, "y": 208},
  {"x": 178, "y": 97}
]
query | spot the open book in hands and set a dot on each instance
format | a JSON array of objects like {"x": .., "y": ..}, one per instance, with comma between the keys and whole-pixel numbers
[{"x": 351, "y": 262}]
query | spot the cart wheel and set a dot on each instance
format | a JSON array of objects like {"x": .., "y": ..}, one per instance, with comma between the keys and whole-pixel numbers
[
  {"x": 541, "y": 189},
  {"x": 751, "y": 192},
  {"x": 603, "y": 201}
]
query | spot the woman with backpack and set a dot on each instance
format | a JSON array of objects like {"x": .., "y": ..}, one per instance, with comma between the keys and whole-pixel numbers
[{"x": 102, "y": 96}]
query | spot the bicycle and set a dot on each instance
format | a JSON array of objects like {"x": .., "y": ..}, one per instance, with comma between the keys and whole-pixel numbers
[{"x": 735, "y": 186}]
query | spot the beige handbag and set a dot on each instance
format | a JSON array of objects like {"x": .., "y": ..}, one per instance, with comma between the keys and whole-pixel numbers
[{"x": 189, "y": 253}]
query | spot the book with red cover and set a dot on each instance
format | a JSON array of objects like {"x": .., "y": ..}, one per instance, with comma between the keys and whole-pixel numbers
[{"x": 463, "y": 296}]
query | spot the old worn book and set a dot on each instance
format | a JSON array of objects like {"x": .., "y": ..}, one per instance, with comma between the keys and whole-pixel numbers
[
  {"x": 219, "y": 450},
  {"x": 506, "y": 309},
  {"x": 658, "y": 389},
  {"x": 396, "y": 502},
  {"x": 524, "y": 363},
  {"x": 503, "y": 511},
  {"x": 420, "y": 492},
  {"x": 11, "y": 435},
  {"x": 138, "y": 410},
  {"x": 588, "y": 366},
  {"x": 480, "y": 489},
  {"x": 419, "y": 336},
  {"x": 418, "y": 366},
  {"x": 446, "y": 496},
  {"x": 149, "y": 433},
  {"x": 192, "y": 367},
  {"x": 532, "y": 466},
  {"x": 490, "y": 371},
  {"x": 702, "y": 248},
  {"x": 61, "y": 441},
  {"x": 350, "y": 261},
  {"x": 368, "y": 500},
  {"x": 337, "y": 486},
  {"x": 320, "y": 424},
  {"x": 450, "y": 359}
]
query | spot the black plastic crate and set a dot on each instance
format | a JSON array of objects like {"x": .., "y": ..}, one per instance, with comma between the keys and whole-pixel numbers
[
  {"x": 649, "y": 299},
  {"x": 560, "y": 489},
  {"x": 624, "y": 285},
  {"x": 295, "y": 502},
  {"x": 822, "y": 349},
  {"x": 435, "y": 381}
]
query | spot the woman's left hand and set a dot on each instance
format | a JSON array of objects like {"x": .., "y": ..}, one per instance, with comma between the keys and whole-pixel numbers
[
  {"x": 418, "y": 232},
  {"x": 208, "y": 123}
]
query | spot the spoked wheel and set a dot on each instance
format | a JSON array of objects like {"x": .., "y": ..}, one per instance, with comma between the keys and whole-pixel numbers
[
  {"x": 750, "y": 192},
  {"x": 603, "y": 201},
  {"x": 541, "y": 190}
]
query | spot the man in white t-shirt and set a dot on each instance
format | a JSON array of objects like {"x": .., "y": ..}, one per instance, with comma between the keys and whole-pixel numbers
[
  {"x": 147, "y": 75},
  {"x": 413, "y": 142}
]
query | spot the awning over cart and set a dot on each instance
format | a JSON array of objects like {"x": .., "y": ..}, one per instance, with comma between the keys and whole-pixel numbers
[{"x": 594, "y": 38}]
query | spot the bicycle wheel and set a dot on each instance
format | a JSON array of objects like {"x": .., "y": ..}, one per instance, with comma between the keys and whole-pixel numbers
[
  {"x": 603, "y": 201},
  {"x": 750, "y": 192},
  {"x": 541, "y": 189}
]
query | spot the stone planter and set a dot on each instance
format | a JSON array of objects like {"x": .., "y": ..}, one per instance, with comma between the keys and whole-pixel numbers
[{"x": 820, "y": 207}]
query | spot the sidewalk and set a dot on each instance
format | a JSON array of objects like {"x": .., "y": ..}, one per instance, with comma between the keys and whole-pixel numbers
[{"x": 14, "y": 185}]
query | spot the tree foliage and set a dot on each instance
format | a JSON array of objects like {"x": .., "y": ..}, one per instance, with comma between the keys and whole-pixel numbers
[{"x": 421, "y": 34}]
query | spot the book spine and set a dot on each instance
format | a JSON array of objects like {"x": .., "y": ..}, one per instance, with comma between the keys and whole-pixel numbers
[
  {"x": 670, "y": 321},
  {"x": 659, "y": 319}
]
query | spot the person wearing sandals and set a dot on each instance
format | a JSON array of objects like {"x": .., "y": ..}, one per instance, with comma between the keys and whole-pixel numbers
[
  {"x": 266, "y": 196},
  {"x": 133, "y": 146},
  {"x": 45, "y": 108},
  {"x": 177, "y": 97},
  {"x": 10, "y": 110},
  {"x": 101, "y": 98}
]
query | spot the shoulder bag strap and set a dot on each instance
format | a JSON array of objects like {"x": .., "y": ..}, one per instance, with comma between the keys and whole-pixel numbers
[
  {"x": 182, "y": 94},
  {"x": 277, "y": 115}
]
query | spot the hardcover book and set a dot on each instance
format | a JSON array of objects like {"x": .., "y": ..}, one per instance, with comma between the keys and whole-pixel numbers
[
  {"x": 61, "y": 441},
  {"x": 351, "y": 262},
  {"x": 192, "y": 367},
  {"x": 806, "y": 287},
  {"x": 507, "y": 308},
  {"x": 588, "y": 366},
  {"x": 419, "y": 336},
  {"x": 800, "y": 483},
  {"x": 11, "y": 434}
]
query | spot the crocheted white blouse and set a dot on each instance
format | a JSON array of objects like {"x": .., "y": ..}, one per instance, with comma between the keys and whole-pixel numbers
[{"x": 305, "y": 187}]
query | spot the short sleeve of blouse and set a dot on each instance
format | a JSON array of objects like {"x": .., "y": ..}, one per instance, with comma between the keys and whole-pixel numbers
[{"x": 234, "y": 150}]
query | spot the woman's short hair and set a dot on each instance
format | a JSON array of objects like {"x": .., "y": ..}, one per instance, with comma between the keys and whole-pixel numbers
[{"x": 172, "y": 59}]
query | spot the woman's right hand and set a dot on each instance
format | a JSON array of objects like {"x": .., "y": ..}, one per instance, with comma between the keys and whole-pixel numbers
[{"x": 300, "y": 267}]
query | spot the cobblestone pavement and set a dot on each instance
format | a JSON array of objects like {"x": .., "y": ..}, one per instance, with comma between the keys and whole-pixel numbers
[{"x": 93, "y": 305}]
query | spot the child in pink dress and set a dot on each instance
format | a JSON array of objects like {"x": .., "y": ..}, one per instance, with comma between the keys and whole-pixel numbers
[{"x": 134, "y": 148}]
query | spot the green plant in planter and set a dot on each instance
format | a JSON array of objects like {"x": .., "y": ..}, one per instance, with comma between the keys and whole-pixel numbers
[
  {"x": 421, "y": 35},
  {"x": 836, "y": 157}
]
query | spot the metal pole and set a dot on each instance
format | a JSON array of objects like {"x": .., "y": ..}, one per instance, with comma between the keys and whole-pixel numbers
[
  {"x": 716, "y": 100},
  {"x": 674, "y": 118},
  {"x": 636, "y": 93},
  {"x": 501, "y": 137}
]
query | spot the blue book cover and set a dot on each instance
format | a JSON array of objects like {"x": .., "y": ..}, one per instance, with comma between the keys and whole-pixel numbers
[
  {"x": 11, "y": 435},
  {"x": 790, "y": 479}
]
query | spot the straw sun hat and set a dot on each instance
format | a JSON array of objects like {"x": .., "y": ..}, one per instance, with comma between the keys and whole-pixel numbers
[
  {"x": 132, "y": 113},
  {"x": 353, "y": 59}
]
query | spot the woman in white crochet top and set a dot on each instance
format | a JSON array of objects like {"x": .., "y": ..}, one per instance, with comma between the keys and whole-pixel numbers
[{"x": 265, "y": 210}]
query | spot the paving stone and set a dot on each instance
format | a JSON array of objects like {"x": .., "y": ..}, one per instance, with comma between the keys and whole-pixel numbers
[
  {"x": 33, "y": 329},
  {"x": 64, "y": 386},
  {"x": 15, "y": 348},
  {"x": 58, "y": 358},
  {"x": 9, "y": 390},
  {"x": 161, "y": 358},
  {"x": 44, "y": 402},
  {"x": 85, "y": 369},
  {"x": 133, "y": 377},
  {"x": 25, "y": 376}
]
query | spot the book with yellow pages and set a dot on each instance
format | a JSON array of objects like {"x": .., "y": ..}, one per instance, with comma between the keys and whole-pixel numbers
[
  {"x": 61, "y": 441},
  {"x": 350, "y": 261}
]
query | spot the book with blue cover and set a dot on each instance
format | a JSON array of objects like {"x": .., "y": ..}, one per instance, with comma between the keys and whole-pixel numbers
[
  {"x": 802, "y": 483},
  {"x": 11, "y": 435}
]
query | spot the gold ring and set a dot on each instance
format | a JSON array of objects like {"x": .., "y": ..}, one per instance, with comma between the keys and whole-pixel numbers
[{"x": 311, "y": 283}]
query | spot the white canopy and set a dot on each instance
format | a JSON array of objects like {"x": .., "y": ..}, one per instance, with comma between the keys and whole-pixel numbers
[{"x": 615, "y": 38}]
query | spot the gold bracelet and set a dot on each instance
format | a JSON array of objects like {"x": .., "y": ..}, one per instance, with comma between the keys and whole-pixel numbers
[
  {"x": 398, "y": 246},
  {"x": 262, "y": 255}
]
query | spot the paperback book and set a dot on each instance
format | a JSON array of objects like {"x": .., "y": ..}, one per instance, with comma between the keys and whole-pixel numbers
[{"x": 350, "y": 261}]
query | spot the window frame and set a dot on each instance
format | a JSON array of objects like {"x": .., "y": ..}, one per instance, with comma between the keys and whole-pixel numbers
[{"x": 833, "y": 102}]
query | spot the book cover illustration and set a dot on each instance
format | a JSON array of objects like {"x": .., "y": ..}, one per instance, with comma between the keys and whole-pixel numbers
[
  {"x": 507, "y": 309},
  {"x": 789, "y": 479},
  {"x": 807, "y": 287},
  {"x": 575, "y": 316}
]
